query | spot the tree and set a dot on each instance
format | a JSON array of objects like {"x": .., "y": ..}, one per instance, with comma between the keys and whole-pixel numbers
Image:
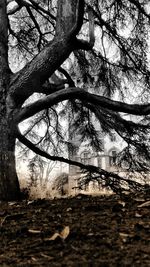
[
  {"x": 60, "y": 184},
  {"x": 46, "y": 33}
]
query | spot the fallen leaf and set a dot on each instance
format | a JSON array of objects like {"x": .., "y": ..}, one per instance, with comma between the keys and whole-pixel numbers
[
  {"x": 11, "y": 203},
  {"x": 122, "y": 203},
  {"x": 53, "y": 237},
  {"x": 34, "y": 231},
  {"x": 137, "y": 215},
  {"x": 69, "y": 209},
  {"x": 123, "y": 235},
  {"x": 139, "y": 199},
  {"x": 46, "y": 256},
  {"x": 33, "y": 258},
  {"x": 65, "y": 232},
  {"x": 30, "y": 202},
  {"x": 145, "y": 204}
]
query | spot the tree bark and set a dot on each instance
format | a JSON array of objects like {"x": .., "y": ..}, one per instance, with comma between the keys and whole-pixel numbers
[{"x": 9, "y": 185}]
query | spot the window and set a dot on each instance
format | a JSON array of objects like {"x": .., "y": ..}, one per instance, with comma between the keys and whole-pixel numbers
[
  {"x": 99, "y": 161},
  {"x": 85, "y": 158},
  {"x": 113, "y": 157}
]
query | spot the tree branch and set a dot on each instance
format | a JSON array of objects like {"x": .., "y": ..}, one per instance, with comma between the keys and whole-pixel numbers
[
  {"x": 35, "y": 73},
  {"x": 44, "y": 154},
  {"x": 140, "y": 8},
  {"x": 36, "y": 6},
  {"x": 112, "y": 180},
  {"x": 70, "y": 17},
  {"x": 49, "y": 88},
  {"x": 78, "y": 93}
]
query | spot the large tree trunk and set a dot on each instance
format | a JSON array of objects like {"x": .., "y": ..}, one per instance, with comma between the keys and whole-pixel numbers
[{"x": 9, "y": 185}]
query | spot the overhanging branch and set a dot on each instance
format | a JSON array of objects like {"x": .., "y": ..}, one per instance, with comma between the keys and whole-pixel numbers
[
  {"x": 112, "y": 180},
  {"x": 44, "y": 154},
  {"x": 86, "y": 97}
]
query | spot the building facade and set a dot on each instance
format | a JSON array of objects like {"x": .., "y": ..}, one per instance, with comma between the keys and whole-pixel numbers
[{"x": 105, "y": 159}]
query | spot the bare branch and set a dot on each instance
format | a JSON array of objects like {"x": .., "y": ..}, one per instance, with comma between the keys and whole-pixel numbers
[
  {"x": 36, "y": 6},
  {"x": 36, "y": 25},
  {"x": 91, "y": 27}
]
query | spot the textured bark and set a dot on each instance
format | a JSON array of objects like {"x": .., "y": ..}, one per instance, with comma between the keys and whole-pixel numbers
[
  {"x": 33, "y": 75},
  {"x": 9, "y": 185},
  {"x": 15, "y": 89},
  {"x": 70, "y": 17}
]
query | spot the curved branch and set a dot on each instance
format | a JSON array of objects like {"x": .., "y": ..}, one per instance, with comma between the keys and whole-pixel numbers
[
  {"x": 32, "y": 76},
  {"x": 44, "y": 154},
  {"x": 78, "y": 93},
  {"x": 35, "y": 73},
  {"x": 49, "y": 88},
  {"x": 91, "y": 169}
]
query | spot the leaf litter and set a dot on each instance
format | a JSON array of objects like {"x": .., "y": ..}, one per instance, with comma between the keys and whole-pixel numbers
[{"x": 76, "y": 231}]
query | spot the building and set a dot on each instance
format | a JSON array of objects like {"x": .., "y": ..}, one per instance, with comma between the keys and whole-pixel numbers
[{"x": 83, "y": 152}]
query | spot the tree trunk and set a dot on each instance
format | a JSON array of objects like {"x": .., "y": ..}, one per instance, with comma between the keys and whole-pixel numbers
[{"x": 9, "y": 185}]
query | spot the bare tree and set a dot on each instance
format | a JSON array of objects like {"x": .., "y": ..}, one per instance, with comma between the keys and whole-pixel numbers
[{"x": 46, "y": 33}]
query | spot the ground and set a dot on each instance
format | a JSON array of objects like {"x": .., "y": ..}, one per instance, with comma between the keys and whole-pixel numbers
[{"x": 77, "y": 231}]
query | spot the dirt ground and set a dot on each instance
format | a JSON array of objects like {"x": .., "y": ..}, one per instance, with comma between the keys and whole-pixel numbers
[{"x": 77, "y": 231}]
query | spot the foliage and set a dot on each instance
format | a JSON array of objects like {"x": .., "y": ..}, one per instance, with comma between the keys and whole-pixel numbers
[
  {"x": 60, "y": 184},
  {"x": 111, "y": 64}
]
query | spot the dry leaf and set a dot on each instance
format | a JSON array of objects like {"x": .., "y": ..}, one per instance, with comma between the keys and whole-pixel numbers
[
  {"x": 123, "y": 235},
  {"x": 46, "y": 256},
  {"x": 53, "y": 237},
  {"x": 11, "y": 203},
  {"x": 33, "y": 258},
  {"x": 63, "y": 235},
  {"x": 122, "y": 203},
  {"x": 137, "y": 215},
  {"x": 69, "y": 209},
  {"x": 139, "y": 199},
  {"x": 30, "y": 202},
  {"x": 65, "y": 232},
  {"x": 145, "y": 204},
  {"x": 34, "y": 231}
]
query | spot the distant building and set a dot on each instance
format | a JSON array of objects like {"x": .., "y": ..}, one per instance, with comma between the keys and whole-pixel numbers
[{"x": 83, "y": 152}]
